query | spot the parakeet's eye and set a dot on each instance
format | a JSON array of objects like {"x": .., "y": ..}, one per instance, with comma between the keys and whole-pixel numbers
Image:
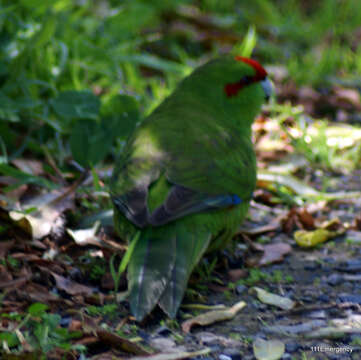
[
  {"x": 232, "y": 89},
  {"x": 246, "y": 80}
]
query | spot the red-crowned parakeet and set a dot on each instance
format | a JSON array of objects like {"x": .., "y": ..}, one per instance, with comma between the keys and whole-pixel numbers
[{"x": 185, "y": 178}]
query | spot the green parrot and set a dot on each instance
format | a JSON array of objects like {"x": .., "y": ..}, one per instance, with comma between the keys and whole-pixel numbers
[{"x": 183, "y": 183}]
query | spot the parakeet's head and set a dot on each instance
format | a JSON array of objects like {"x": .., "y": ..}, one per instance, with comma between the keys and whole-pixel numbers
[
  {"x": 259, "y": 76},
  {"x": 237, "y": 85}
]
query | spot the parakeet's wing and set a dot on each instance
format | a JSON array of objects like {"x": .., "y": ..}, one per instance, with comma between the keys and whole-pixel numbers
[{"x": 205, "y": 175}]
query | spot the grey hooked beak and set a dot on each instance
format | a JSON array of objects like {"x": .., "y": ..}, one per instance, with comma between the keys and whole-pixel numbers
[{"x": 267, "y": 88}]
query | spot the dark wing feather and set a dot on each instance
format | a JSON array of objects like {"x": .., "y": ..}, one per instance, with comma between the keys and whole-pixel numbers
[
  {"x": 182, "y": 201},
  {"x": 134, "y": 205}
]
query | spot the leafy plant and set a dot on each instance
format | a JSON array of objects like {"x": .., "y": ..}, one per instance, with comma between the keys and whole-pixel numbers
[{"x": 40, "y": 329}]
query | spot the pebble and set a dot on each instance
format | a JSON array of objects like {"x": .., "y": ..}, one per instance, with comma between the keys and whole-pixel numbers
[
  {"x": 144, "y": 335},
  {"x": 234, "y": 354},
  {"x": 163, "y": 344},
  {"x": 329, "y": 260},
  {"x": 224, "y": 357},
  {"x": 215, "y": 348},
  {"x": 239, "y": 329},
  {"x": 286, "y": 356},
  {"x": 317, "y": 314},
  {"x": 350, "y": 266},
  {"x": 352, "y": 298},
  {"x": 240, "y": 289},
  {"x": 163, "y": 330},
  {"x": 260, "y": 306},
  {"x": 65, "y": 321},
  {"x": 307, "y": 299},
  {"x": 324, "y": 298},
  {"x": 335, "y": 279},
  {"x": 312, "y": 266},
  {"x": 292, "y": 346}
]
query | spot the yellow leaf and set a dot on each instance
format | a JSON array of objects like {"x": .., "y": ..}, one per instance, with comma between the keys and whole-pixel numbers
[{"x": 312, "y": 238}]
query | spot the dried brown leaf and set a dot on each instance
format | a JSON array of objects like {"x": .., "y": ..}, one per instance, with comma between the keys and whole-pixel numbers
[
  {"x": 14, "y": 283},
  {"x": 174, "y": 356},
  {"x": 71, "y": 287},
  {"x": 274, "y": 253},
  {"x": 236, "y": 274},
  {"x": 47, "y": 216},
  {"x": 37, "y": 293},
  {"x": 306, "y": 219},
  {"x": 33, "y": 167},
  {"x": 120, "y": 343},
  {"x": 5, "y": 246}
]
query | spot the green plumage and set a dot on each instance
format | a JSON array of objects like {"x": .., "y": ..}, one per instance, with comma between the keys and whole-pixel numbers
[{"x": 185, "y": 180}]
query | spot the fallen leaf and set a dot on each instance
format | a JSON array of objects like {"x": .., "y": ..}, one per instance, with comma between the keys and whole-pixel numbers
[
  {"x": 293, "y": 329},
  {"x": 120, "y": 343},
  {"x": 306, "y": 219},
  {"x": 309, "y": 239},
  {"x": 5, "y": 275},
  {"x": 37, "y": 293},
  {"x": 333, "y": 224},
  {"x": 273, "y": 226},
  {"x": 166, "y": 345},
  {"x": 287, "y": 180},
  {"x": 71, "y": 287},
  {"x": 268, "y": 178},
  {"x": 5, "y": 246},
  {"x": 333, "y": 332},
  {"x": 268, "y": 349},
  {"x": 273, "y": 299},
  {"x": 210, "y": 339},
  {"x": 236, "y": 274},
  {"x": 274, "y": 253},
  {"x": 42, "y": 214},
  {"x": 30, "y": 166},
  {"x": 16, "y": 283},
  {"x": 211, "y": 317},
  {"x": 85, "y": 237},
  {"x": 174, "y": 356}
]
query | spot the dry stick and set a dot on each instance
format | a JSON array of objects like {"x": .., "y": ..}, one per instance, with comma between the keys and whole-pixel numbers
[
  {"x": 307, "y": 308},
  {"x": 52, "y": 164},
  {"x": 71, "y": 189}
]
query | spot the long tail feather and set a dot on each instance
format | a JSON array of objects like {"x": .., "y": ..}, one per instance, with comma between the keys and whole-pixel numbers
[
  {"x": 160, "y": 266},
  {"x": 149, "y": 270},
  {"x": 189, "y": 249}
]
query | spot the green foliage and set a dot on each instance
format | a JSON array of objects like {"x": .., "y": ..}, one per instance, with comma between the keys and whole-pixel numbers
[
  {"x": 41, "y": 330},
  {"x": 120, "y": 114},
  {"x": 117, "y": 273},
  {"x": 256, "y": 276},
  {"x": 56, "y": 55},
  {"x": 106, "y": 310},
  {"x": 76, "y": 105},
  {"x": 323, "y": 144},
  {"x": 25, "y": 178}
]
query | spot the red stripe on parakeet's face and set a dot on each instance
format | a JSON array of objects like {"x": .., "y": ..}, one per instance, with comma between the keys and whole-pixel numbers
[
  {"x": 232, "y": 89},
  {"x": 261, "y": 73}
]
